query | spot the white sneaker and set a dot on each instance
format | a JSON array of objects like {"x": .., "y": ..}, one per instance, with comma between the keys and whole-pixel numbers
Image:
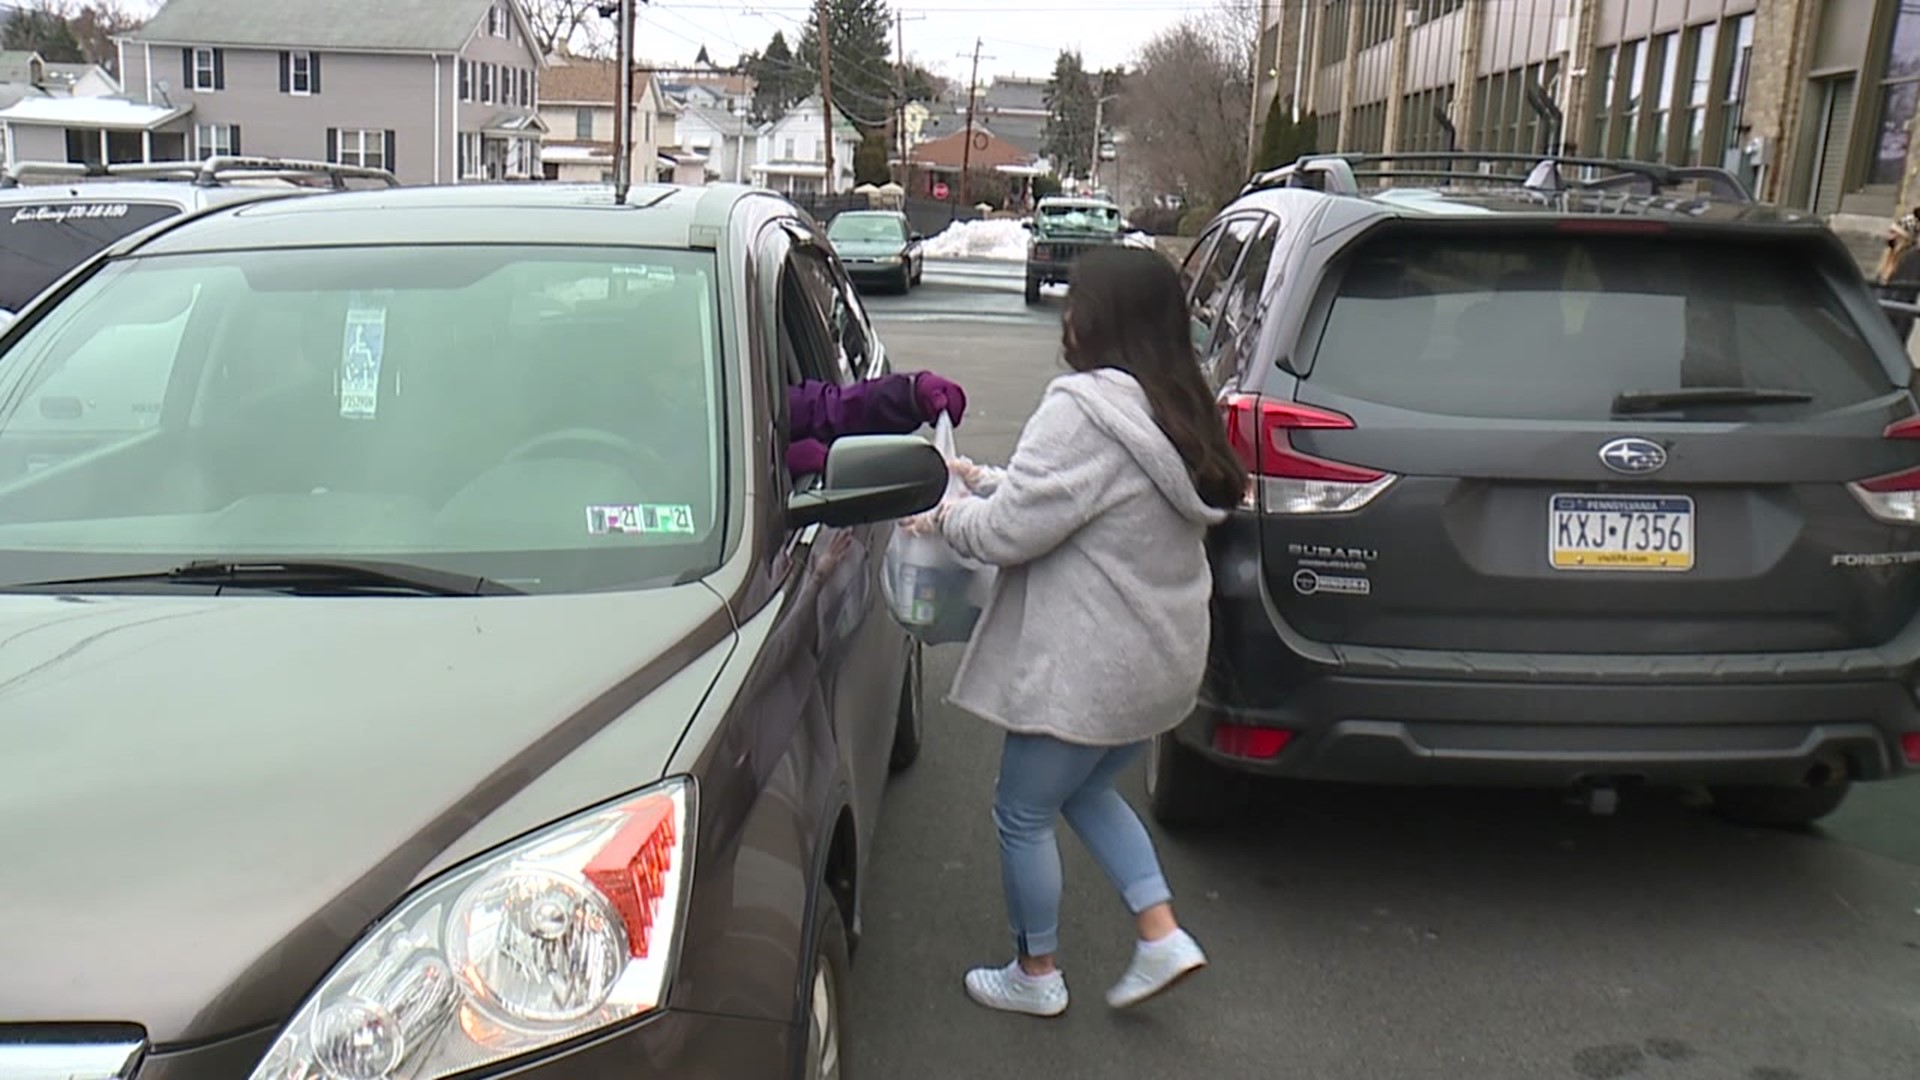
[
  {"x": 1010, "y": 989},
  {"x": 1157, "y": 966}
]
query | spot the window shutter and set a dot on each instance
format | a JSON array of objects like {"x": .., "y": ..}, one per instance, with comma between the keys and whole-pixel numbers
[
  {"x": 233, "y": 139},
  {"x": 313, "y": 72},
  {"x": 333, "y": 144},
  {"x": 219, "y": 69},
  {"x": 286, "y": 72},
  {"x": 186, "y": 70},
  {"x": 389, "y": 152}
]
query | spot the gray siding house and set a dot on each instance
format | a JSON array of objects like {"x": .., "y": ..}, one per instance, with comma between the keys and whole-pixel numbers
[{"x": 436, "y": 90}]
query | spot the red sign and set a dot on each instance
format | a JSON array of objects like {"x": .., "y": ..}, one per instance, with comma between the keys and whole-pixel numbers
[{"x": 939, "y": 189}]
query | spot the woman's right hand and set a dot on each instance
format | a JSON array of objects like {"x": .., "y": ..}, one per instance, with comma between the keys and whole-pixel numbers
[{"x": 967, "y": 472}]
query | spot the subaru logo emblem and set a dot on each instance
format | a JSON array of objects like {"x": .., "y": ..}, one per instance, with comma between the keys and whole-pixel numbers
[{"x": 1634, "y": 457}]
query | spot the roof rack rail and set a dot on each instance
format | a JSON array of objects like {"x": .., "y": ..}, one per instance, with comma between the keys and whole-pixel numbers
[
  {"x": 221, "y": 168},
  {"x": 1336, "y": 172},
  {"x": 21, "y": 170}
]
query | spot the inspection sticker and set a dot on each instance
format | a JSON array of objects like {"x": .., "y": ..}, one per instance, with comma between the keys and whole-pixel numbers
[
  {"x": 641, "y": 518},
  {"x": 362, "y": 348}
]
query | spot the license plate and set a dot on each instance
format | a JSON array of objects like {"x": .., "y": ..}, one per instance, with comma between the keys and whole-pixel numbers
[{"x": 1620, "y": 532}]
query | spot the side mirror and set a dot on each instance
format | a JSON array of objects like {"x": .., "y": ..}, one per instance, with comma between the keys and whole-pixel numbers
[
  {"x": 1027, "y": 224},
  {"x": 917, "y": 237},
  {"x": 872, "y": 478}
]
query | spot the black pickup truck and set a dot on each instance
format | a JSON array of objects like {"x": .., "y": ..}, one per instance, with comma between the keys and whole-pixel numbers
[{"x": 1063, "y": 228}]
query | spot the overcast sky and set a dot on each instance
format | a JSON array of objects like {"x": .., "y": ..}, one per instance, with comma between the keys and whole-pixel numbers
[{"x": 1016, "y": 38}]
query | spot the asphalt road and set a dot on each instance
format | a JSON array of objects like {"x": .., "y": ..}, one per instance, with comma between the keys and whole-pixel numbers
[{"x": 1380, "y": 933}]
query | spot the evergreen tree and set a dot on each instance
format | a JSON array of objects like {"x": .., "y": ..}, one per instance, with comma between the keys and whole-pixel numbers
[
  {"x": 1071, "y": 106},
  {"x": 42, "y": 31},
  {"x": 779, "y": 80},
  {"x": 860, "y": 35},
  {"x": 1274, "y": 135}
]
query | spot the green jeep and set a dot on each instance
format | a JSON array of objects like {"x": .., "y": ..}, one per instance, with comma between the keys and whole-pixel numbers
[{"x": 1063, "y": 228}]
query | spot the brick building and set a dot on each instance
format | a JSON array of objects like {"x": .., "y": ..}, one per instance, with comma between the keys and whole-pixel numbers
[{"x": 1811, "y": 101}]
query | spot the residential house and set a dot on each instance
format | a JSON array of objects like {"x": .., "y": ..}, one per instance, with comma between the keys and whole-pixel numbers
[
  {"x": 79, "y": 80},
  {"x": 940, "y": 162},
  {"x": 33, "y": 90},
  {"x": 1016, "y": 110},
  {"x": 436, "y": 90},
  {"x": 790, "y": 157},
  {"x": 677, "y": 164},
  {"x": 728, "y": 141},
  {"x": 578, "y": 105}
]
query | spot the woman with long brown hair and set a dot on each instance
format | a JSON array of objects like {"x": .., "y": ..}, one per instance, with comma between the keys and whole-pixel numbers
[
  {"x": 1095, "y": 638},
  {"x": 1898, "y": 276}
]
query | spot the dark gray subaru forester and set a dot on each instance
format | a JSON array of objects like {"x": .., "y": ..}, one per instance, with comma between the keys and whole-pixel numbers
[
  {"x": 1576, "y": 473},
  {"x": 415, "y": 660}
]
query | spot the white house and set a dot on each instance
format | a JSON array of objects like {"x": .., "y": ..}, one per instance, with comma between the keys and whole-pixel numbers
[
  {"x": 727, "y": 141},
  {"x": 791, "y": 158}
]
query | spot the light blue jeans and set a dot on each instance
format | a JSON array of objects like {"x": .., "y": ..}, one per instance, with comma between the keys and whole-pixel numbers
[{"x": 1042, "y": 778}]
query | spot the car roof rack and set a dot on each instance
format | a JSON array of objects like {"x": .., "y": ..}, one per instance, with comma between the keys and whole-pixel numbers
[
  {"x": 222, "y": 168},
  {"x": 1341, "y": 174},
  {"x": 212, "y": 172}
]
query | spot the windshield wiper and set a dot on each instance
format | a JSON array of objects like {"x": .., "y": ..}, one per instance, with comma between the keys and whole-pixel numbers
[
  {"x": 1639, "y": 401},
  {"x": 298, "y": 575}
]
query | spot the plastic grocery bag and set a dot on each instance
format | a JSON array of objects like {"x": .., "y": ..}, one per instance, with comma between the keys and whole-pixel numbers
[{"x": 933, "y": 592}]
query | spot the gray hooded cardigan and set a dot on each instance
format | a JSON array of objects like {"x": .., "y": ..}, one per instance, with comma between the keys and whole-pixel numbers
[{"x": 1097, "y": 629}]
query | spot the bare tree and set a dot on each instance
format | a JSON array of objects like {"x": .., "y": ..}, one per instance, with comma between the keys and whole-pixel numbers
[
  {"x": 1185, "y": 105},
  {"x": 572, "y": 27}
]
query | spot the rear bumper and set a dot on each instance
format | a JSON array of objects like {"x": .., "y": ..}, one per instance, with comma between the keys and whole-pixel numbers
[{"x": 1432, "y": 717}]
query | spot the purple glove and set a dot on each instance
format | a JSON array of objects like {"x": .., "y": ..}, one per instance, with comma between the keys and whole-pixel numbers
[
  {"x": 937, "y": 395},
  {"x": 806, "y": 457}
]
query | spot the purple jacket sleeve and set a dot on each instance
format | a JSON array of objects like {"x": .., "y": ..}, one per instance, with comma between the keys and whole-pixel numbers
[{"x": 883, "y": 406}]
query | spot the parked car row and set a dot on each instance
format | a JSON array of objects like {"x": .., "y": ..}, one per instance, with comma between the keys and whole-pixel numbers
[
  {"x": 1573, "y": 478},
  {"x": 419, "y": 658}
]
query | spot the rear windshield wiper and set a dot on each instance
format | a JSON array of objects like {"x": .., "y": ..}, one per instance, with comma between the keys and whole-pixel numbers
[
  {"x": 1639, "y": 401},
  {"x": 298, "y": 575}
]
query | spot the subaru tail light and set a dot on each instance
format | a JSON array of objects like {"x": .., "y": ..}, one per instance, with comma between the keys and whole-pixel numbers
[
  {"x": 1893, "y": 497},
  {"x": 1286, "y": 480}
]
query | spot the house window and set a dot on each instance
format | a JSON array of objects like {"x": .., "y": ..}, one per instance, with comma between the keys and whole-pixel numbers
[
  {"x": 367, "y": 149},
  {"x": 471, "y": 167},
  {"x": 466, "y": 81},
  {"x": 303, "y": 74},
  {"x": 583, "y": 122},
  {"x": 646, "y": 124},
  {"x": 215, "y": 140},
  {"x": 486, "y": 84},
  {"x": 1737, "y": 80},
  {"x": 496, "y": 21},
  {"x": 206, "y": 69},
  {"x": 788, "y": 148},
  {"x": 1706, "y": 41},
  {"x": 1665, "y": 92}
]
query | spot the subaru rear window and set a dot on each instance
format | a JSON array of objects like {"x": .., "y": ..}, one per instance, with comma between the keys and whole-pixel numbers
[
  {"x": 40, "y": 242},
  {"x": 1566, "y": 327}
]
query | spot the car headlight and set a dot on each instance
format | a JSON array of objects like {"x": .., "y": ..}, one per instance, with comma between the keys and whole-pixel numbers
[{"x": 553, "y": 936}]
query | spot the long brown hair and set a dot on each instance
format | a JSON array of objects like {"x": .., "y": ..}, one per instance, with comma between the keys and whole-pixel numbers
[{"x": 1126, "y": 310}]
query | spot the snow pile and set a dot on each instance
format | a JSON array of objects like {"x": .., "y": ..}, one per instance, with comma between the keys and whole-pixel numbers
[{"x": 1000, "y": 238}]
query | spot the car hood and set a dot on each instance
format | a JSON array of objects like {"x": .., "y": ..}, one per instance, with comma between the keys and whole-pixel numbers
[
  {"x": 868, "y": 249},
  {"x": 204, "y": 801}
]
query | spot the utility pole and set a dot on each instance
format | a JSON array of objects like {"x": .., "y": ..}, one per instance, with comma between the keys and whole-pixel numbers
[
  {"x": 826, "y": 90},
  {"x": 1099, "y": 140},
  {"x": 898, "y": 142},
  {"x": 966, "y": 148},
  {"x": 623, "y": 112}
]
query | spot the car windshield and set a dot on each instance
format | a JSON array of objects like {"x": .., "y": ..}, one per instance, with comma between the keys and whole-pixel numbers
[
  {"x": 542, "y": 416},
  {"x": 1570, "y": 327},
  {"x": 40, "y": 242},
  {"x": 1081, "y": 218},
  {"x": 882, "y": 228}
]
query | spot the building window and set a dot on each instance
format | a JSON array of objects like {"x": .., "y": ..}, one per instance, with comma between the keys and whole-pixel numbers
[
  {"x": 498, "y": 24},
  {"x": 206, "y": 69},
  {"x": 1665, "y": 92},
  {"x": 1636, "y": 74},
  {"x": 486, "y": 84},
  {"x": 300, "y": 73},
  {"x": 646, "y": 124},
  {"x": 1606, "y": 67},
  {"x": 1899, "y": 94},
  {"x": 1737, "y": 83},
  {"x": 471, "y": 167},
  {"x": 466, "y": 81},
  {"x": 215, "y": 140},
  {"x": 367, "y": 149},
  {"x": 788, "y": 148},
  {"x": 1706, "y": 41},
  {"x": 583, "y": 122}
]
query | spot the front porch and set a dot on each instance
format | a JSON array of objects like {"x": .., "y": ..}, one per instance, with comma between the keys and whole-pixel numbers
[{"x": 98, "y": 131}]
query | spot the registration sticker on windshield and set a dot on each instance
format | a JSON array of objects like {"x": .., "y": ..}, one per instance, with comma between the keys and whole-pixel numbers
[
  {"x": 644, "y": 518},
  {"x": 362, "y": 348}
]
